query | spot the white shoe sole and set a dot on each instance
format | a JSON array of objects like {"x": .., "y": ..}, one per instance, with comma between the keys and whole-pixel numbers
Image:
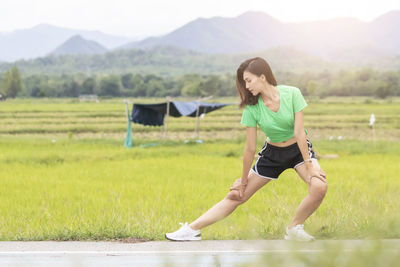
[
  {"x": 292, "y": 239},
  {"x": 195, "y": 238}
]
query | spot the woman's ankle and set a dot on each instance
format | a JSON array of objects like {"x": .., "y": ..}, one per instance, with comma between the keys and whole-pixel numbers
[
  {"x": 294, "y": 223},
  {"x": 194, "y": 226}
]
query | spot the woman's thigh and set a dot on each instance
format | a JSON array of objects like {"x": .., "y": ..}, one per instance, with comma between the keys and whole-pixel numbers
[
  {"x": 254, "y": 182},
  {"x": 302, "y": 171}
]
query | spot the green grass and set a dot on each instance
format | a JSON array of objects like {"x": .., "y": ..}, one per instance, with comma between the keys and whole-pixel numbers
[
  {"x": 96, "y": 189},
  {"x": 66, "y": 175}
]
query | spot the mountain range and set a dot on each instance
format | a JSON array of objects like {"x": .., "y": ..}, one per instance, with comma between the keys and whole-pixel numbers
[
  {"x": 341, "y": 39},
  {"x": 253, "y": 31},
  {"x": 42, "y": 39}
]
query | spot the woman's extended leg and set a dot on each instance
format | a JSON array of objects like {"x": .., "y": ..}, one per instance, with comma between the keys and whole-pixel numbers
[
  {"x": 317, "y": 190},
  {"x": 226, "y": 206}
]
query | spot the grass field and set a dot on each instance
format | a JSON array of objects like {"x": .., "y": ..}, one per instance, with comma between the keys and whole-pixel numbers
[
  {"x": 86, "y": 185},
  {"x": 347, "y": 117}
]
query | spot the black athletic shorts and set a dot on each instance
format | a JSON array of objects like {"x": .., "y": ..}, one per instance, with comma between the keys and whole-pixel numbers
[{"x": 273, "y": 160}]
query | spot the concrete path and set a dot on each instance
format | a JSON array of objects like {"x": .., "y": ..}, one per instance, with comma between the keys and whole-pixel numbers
[{"x": 162, "y": 253}]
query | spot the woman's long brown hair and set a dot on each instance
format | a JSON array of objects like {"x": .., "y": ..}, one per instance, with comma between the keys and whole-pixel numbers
[{"x": 256, "y": 66}]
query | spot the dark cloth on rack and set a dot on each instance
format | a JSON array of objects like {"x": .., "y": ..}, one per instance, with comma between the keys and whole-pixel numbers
[{"x": 153, "y": 114}]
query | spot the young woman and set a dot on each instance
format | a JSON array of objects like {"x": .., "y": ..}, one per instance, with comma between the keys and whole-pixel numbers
[{"x": 277, "y": 109}]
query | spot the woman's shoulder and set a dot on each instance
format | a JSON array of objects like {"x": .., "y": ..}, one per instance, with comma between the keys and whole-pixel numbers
[
  {"x": 287, "y": 88},
  {"x": 253, "y": 109},
  {"x": 288, "y": 91}
]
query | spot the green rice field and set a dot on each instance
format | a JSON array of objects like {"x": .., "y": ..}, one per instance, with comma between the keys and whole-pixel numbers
[
  {"x": 67, "y": 176},
  {"x": 54, "y": 118}
]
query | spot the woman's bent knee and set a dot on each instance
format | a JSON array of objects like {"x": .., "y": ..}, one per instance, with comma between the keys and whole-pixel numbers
[
  {"x": 318, "y": 187},
  {"x": 234, "y": 195}
]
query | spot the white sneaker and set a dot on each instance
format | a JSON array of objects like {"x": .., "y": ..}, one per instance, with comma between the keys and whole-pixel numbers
[
  {"x": 297, "y": 233},
  {"x": 185, "y": 233}
]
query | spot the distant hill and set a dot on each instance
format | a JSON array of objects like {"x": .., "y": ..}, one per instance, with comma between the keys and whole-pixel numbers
[
  {"x": 165, "y": 61},
  {"x": 44, "y": 38},
  {"x": 253, "y": 31},
  {"x": 385, "y": 31},
  {"x": 76, "y": 45},
  {"x": 221, "y": 35}
]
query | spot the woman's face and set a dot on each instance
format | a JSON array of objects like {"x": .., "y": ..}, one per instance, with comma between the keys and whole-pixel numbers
[{"x": 253, "y": 83}]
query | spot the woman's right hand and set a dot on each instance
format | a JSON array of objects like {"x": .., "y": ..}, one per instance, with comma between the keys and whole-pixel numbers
[{"x": 237, "y": 185}]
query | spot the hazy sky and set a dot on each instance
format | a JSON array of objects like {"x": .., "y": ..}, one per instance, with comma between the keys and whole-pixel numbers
[{"x": 155, "y": 17}]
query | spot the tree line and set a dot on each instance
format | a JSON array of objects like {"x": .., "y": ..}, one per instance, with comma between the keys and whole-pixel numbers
[{"x": 364, "y": 82}]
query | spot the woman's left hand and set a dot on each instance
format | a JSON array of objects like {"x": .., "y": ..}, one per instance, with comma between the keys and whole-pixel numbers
[{"x": 314, "y": 172}]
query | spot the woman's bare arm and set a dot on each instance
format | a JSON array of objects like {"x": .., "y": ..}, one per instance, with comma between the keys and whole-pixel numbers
[
  {"x": 249, "y": 152},
  {"x": 302, "y": 143}
]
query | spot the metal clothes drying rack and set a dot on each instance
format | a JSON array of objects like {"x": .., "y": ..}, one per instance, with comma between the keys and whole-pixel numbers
[{"x": 164, "y": 133}]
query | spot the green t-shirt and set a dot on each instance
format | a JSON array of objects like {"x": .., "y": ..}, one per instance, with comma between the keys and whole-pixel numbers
[{"x": 277, "y": 126}]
